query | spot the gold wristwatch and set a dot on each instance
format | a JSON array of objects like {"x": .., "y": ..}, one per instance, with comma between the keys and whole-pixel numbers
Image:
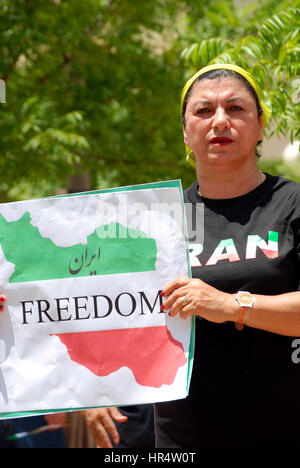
[{"x": 246, "y": 301}]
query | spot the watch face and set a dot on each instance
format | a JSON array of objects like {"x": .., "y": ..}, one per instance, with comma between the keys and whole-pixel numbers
[{"x": 245, "y": 298}]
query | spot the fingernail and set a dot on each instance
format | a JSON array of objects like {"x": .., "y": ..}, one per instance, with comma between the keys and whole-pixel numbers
[
  {"x": 162, "y": 294},
  {"x": 2, "y": 298},
  {"x": 162, "y": 307},
  {"x": 169, "y": 314},
  {"x": 1, "y": 307}
]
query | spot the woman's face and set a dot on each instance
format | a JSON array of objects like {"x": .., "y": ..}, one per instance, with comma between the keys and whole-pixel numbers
[{"x": 221, "y": 122}]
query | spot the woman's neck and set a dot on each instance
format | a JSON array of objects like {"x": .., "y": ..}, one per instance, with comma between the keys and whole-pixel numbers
[{"x": 220, "y": 184}]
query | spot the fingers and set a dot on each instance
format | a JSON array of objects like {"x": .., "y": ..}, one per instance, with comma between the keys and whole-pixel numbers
[
  {"x": 99, "y": 432},
  {"x": 179, "y": 296},
  {"x": 175, "y": 292},
  {"x": 181, "y": 306},
  {"x": 117, "y": 415},
  {"x": 178, "y": 302},
  {"x": 109, "y": 425},
  {"x": 106, "y": 429},
  {"x": 175, "y": 284},
  {"x": 101, "y": 424},
  {"x": 2, "y": 301}
]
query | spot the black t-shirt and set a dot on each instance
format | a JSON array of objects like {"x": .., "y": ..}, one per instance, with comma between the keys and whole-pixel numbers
[{"x": 245, "y": 387}]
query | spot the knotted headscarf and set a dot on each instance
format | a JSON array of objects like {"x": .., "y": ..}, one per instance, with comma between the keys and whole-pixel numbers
[{"x": 190, "y": 157}]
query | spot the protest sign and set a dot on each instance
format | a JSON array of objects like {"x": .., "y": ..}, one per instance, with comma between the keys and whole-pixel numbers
[{"x": 83, "y": 325}]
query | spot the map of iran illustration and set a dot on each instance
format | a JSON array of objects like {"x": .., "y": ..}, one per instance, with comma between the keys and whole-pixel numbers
[
  {"x": 23, "y": 245},
  {"x": 38, "y": 259}
]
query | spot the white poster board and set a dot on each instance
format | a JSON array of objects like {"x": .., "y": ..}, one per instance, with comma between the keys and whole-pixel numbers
[{"x": 82, "y": 325}]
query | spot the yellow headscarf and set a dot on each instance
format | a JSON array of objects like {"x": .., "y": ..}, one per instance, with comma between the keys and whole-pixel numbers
[{"x": 190, "y": 157}]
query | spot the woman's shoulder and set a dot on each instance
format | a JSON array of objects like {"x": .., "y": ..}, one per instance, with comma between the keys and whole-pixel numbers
[
  {"x": 284, "y": 184},
  {"x": 190, "y": 193}
]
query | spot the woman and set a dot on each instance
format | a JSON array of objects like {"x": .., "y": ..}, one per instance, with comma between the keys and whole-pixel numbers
[{"x": 245, "y": 386}]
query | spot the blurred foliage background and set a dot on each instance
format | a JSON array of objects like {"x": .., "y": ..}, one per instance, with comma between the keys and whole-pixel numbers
[{"x": 93, "y": 87}]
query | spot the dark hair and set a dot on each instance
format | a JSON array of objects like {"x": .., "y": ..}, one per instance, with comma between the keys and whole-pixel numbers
[{"x": 223, "y": 73}]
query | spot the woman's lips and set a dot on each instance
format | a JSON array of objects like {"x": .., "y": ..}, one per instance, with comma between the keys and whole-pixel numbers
[{"x": 221, "y": 141}]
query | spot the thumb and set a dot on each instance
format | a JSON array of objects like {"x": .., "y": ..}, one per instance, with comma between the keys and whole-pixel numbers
[{"x": 117, "y": 415}]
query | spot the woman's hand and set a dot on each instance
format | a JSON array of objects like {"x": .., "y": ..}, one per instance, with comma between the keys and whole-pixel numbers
[
  {"x": 190, "y": 296},
  {"x": 101, "y": 424},
  {"x": 2, "y": 300}
]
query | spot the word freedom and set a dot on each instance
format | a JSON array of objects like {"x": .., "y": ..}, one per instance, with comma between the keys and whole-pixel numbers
[{"x": 97, "y": 306}]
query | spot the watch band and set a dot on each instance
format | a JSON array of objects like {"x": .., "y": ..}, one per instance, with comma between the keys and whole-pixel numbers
[
  {"x": 246, "y": 301},
  {"x": 239, "y": 325}
]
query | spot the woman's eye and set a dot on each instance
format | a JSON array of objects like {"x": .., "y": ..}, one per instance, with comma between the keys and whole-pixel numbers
[
  {"x": 235, "y": 108},
  {"x": 204, "y": 110}
]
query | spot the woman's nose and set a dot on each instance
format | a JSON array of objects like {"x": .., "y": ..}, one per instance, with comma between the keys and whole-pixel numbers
[{"x": 220, "y": 120}]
